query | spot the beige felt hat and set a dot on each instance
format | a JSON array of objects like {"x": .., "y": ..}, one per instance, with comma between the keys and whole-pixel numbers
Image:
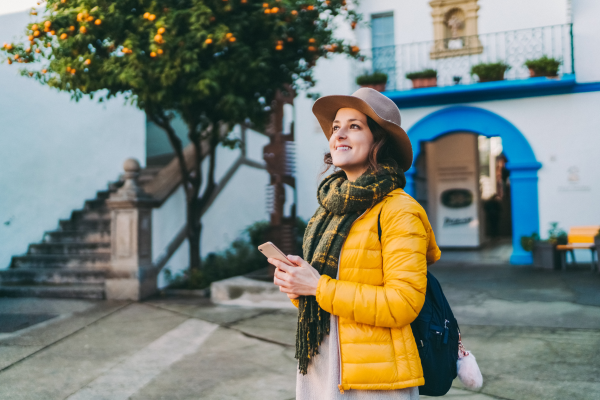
[{"x": 377, "y": 106}]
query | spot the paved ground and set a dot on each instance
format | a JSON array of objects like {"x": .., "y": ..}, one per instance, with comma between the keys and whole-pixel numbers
[{"x": 536, "y": 335}]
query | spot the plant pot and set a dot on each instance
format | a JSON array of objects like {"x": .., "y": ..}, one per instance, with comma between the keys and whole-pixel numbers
[
  {"x": 424, "y": 82},
  {"x": 380, "y": 87},
  {"x": 545, "y": 255},
  {"x": 535, "y": 74},
  {"x": 482, "y": 80}
]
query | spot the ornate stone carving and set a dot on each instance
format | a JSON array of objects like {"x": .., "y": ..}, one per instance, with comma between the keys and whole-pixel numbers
[{"x": 455, "y": 28}]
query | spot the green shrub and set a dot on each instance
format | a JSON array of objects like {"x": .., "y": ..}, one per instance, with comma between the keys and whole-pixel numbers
[
  {"x": 240, "y": 258},
  {"x": 372, "y": 79},
  {"x": 490, "y": 71},
  {"x": 544, "y": 66},
  {"x": 424, "y": 74},
  {"x": 527, "y": 241},
  {"x": 555, "y": 235}
]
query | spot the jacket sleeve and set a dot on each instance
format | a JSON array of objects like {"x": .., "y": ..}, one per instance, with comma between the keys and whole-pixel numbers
[{"x": 398, "y": 302}]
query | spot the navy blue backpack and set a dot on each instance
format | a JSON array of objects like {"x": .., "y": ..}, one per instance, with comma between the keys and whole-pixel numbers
[{"x": 436, "y": 334}]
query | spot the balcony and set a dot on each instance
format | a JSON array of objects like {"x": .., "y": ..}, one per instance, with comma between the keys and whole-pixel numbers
[{"x": 453, "y": 58}]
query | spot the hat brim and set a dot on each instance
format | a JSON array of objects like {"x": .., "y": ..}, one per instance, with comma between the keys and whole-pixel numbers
[{"x": 326, "y": 108}]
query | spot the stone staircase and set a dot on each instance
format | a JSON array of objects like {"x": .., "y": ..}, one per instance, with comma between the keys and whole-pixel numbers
[{"x": 72, "y": 261}]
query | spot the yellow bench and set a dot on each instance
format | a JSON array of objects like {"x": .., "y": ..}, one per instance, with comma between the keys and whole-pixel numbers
[{"x": 579, "y": 237}]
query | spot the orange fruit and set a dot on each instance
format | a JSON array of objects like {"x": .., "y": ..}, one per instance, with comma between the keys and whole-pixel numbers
[
  {"x": 17, "y": 56},
  {"x": 36, "y": 33},
  {"x": 274, "y": 10},
  {"x": 265, "y": 5},
  {"x": 279, "y": 47},
  {"x": 8, "y": 46},
  {"x": 159, "y": 51},
  {"x": 294, "y": 12},
  {"x": 153, "y": 54},
  {"x": 158, "y": 38},
  {"x": 72, "y": 28},
  {"x": 98, "y": 21},
  {"x": 232, "y": 39},
  {"x": 63, "y": 1},
  {"x": 80, "y": 16},
  {"x": 355, "y": 49},
  {"x": 208, "y": 41},
  {"x": 44, "y": 71},
  {"x": 311, "y": 40},
  {"x": 290, "y": 39},
  {"x": 310, "y": 8},
  {"x": 68, "y": 69},
  {"x": 53, "y": 33},
  {"x": 161, "y": 30},
  {"x": 229, "y": 35},
  {"x": 312, "y": 48},
  {"x": 28, "y": 50},
  {"x": 34, "y": 27},
  {"x": 125, "y": 50},
  {"x": 83, "y": 29},
  {"x": 152, "y": 17},
  {"x": 9, "y": 61},
  {"x": 90, "y": 18},
  {"x": 73, "y": 70},
  {"x": 87, "y": 62},
  {"x": 30, "y": 37},
  {"x": 146, "y": 15},
  {"x": 244, "y": 1},
  {"x": 353, "y": 24},
  {"x": 47, "y": 24},
  {"x": 38, "y": 51},
  {"x": 63, "y": 36},
  {"x": 267, "y": 11}
]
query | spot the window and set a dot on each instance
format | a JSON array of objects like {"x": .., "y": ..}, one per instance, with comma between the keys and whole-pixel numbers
[{"x": 382, "y": 40}]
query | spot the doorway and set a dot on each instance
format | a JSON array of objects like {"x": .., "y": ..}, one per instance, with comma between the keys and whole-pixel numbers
[{"x": 518, "y": 168}]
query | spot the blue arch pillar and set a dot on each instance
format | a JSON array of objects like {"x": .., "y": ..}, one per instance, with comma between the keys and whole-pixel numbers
[{"x": 522, "y": 163}]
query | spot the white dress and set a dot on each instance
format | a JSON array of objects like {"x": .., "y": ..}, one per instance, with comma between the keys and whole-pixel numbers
[{"x": 323, "y": 376}]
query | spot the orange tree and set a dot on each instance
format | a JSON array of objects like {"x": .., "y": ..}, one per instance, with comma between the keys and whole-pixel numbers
[{"x": 215, "y": 63}]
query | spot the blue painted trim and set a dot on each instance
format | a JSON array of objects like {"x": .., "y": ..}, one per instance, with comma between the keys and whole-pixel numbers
[
  {"x": 523, "y": 165},
  {"x": 500, "y": 90}
]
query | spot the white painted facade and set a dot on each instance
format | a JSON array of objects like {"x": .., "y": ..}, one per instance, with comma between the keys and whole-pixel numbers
[{"x": 74, "y": 149}]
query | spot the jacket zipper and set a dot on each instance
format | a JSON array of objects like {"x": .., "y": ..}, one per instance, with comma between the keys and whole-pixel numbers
[{"x": 341, "y": 389}]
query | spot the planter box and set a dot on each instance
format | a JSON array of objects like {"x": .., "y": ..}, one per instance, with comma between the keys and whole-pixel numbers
[
  {"x": 545, "y": 255},
  {"x": 534, "y": 74},
  {"x": 380, "y": 87},
  {"x": 424, "y": 82}
]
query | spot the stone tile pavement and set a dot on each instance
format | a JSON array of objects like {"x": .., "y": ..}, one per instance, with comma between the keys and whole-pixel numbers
[{"x": 536, "y": 335}]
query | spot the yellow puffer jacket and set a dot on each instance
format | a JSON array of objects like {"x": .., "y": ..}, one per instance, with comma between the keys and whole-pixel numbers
[{"x": 380, "y": 291}]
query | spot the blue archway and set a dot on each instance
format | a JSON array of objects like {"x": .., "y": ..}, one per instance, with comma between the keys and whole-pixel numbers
[{"x": 522, "y": 163}]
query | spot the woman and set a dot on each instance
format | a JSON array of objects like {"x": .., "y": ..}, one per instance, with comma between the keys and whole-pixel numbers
[{"x": 356, "y": 303}]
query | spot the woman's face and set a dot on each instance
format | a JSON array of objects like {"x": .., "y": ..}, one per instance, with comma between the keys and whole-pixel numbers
[{"x": 350, "y": 142}]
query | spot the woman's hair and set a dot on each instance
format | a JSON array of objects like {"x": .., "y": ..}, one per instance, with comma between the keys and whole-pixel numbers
[{"x": 379, "y": 151}]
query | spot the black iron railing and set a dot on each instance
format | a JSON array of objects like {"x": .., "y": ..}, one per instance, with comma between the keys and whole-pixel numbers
[{"x": 453, "y": 58}]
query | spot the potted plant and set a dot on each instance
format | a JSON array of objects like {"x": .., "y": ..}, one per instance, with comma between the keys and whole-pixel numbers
[
  {"x": 376, "y": 80},
  {"x": 488, "y": 72},
  {"x": 543, "y": 66},
  {"x": 544, "y": 251},
  {"x": 424, "y": 78}
]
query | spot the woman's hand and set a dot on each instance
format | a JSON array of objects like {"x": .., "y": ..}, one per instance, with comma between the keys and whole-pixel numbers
[{"x": 301, "y": 280}]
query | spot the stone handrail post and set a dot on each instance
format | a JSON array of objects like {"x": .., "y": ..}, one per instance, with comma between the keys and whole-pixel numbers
[{"x": 132, "y": 276}]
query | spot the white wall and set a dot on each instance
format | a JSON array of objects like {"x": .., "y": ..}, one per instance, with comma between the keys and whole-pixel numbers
[
  {"x": 413, "y": 22},
  {"x": 586, "y": 30},
  {"x": 54, "y": 153}
]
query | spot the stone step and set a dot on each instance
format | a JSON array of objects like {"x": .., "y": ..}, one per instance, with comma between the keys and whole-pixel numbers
[
  {"x": 94, "y": 204},
  {"x": 90, "y": 215},
  {"x": 91, "y": 261},
  {"x": 77, "y": 236},
  {"x": 55, "y": 291},
  {"x": 84, "y": 225},
  {"x": 70, "y": 248},
  {"x": 24, "y": 276}
]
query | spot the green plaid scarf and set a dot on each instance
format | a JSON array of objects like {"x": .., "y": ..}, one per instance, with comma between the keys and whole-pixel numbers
[{"x": 341, "y": 203}]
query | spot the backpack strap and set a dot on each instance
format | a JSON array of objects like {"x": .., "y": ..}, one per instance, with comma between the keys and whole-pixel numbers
[{"x": 379, "y": 225}]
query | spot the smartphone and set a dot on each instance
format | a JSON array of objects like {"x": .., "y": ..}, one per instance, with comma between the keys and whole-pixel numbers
[{"x": 272, "y": 251}]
